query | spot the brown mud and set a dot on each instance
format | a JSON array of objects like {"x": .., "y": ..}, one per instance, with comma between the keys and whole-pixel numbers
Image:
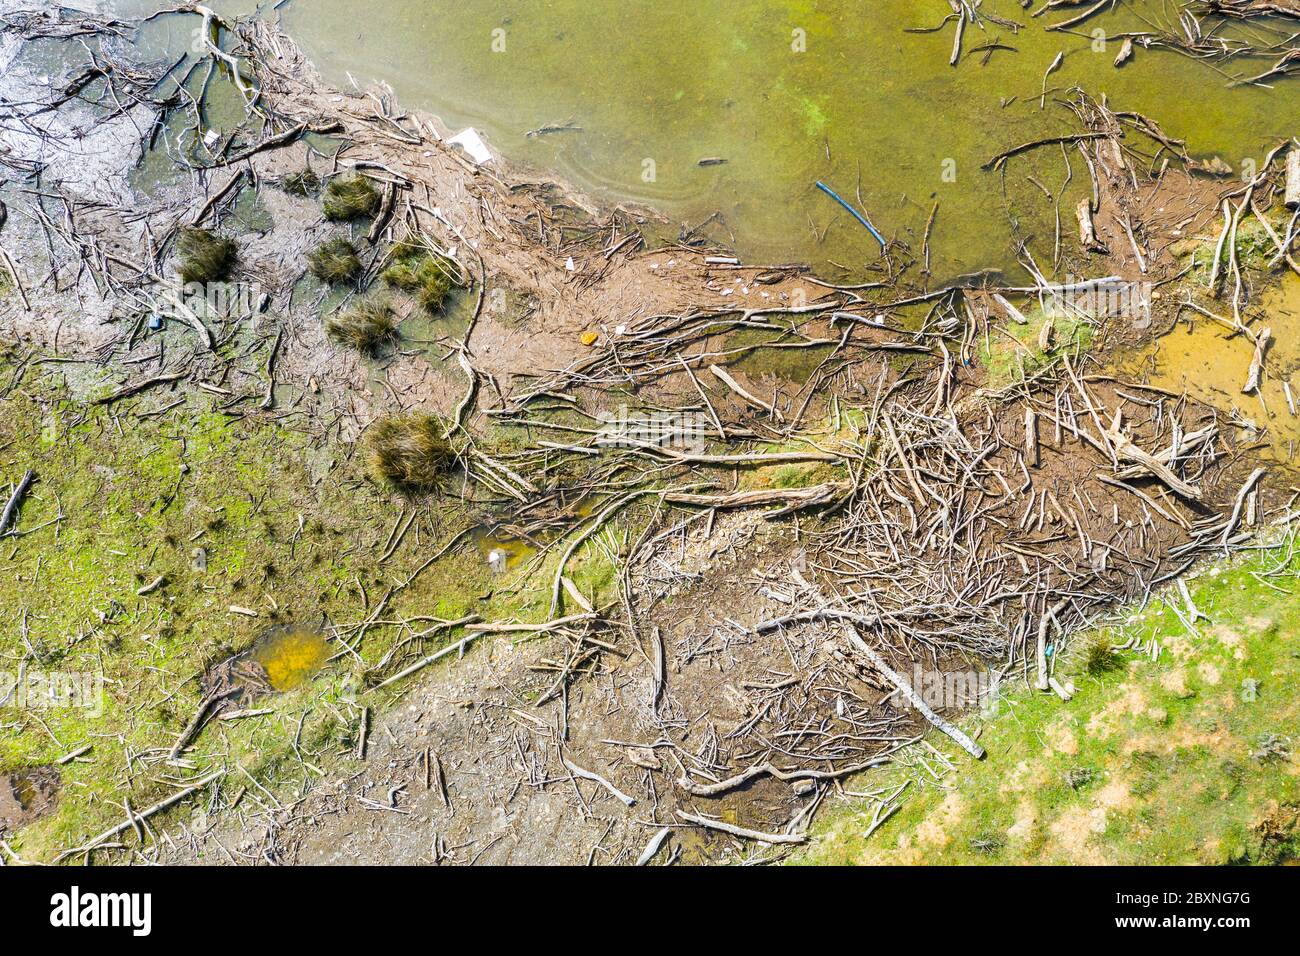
[
  {"x": 27, "y": 795},
  {"x": 895, "y": 509}
]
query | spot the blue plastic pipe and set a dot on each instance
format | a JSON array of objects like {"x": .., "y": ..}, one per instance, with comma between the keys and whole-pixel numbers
[{"x": 856, "y": 215}]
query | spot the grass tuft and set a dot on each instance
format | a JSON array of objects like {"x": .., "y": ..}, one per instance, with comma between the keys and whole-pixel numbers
[
  {"x": 334, "y": 261},
  {"x": 365, "y": 326},
  {"x": 1100, "y": 658},
  {"x": 427, "y": 277},
  {"x": 349, "y": 197},
  {"x": 205, "y": 256},
  {"x": 410, "y": 454}
]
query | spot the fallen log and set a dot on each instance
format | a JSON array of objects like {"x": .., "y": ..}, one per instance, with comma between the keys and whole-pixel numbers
[
  {"x": 1031, "y": 437},
  {"x": 1257, "y": 362},
  {"x": 1235, "y": 517},
  {"x": 1087, "y": 230},
  {"x": 903, "y": 686},
  {"x": 767, "y": 769},
  {"x": 1125, "y": 449},
  {"x": 598, "y": 779},
  {"x": 743, "y": 832},
  {"x": 997, "y": 161},
  {"x": 1293, "y": 178},
  {"x": 458, "y": 646},
  {"x": 133, "y": 388},
  {"x": 653, "y": 846},
  {"x": 136, "y": 818},
  {"x": 16, "y": 500},
  {"x": 216, "y": 197},
  {"x": 911, "y": 696},
  {"x": 792, "y": 498},
  {"x": 722, "y": 376}
]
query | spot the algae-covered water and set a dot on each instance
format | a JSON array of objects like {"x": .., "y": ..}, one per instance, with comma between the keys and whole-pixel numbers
[{"x": 790, "y": 93}]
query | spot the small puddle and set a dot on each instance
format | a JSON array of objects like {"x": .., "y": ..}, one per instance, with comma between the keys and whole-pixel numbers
[
  {"x": 500, "y": 551},
  {"x": 27, "y": 795},
  {"x": 1212, "y": 365},
  {"x": 290, "y": 655},
  {"x": 505, "y": 547},
  {"x": 776, "y": 354}
]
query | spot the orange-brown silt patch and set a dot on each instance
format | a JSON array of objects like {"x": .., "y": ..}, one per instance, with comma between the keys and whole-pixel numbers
[
  {"x": 1212, "y": 365},
  {"x": 291, "y": 656}
]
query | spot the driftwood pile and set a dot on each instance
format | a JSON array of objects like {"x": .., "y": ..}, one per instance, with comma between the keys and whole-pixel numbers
[{"x": 957, "y": 529}]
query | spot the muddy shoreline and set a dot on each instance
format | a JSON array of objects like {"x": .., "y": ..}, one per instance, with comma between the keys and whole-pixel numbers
[{"x": 727, "y": 645}]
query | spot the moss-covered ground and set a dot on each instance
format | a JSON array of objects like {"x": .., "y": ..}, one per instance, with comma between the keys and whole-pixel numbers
[
  {"x": 1012, "y": 353},
  {"x": 229, "y": 513}
]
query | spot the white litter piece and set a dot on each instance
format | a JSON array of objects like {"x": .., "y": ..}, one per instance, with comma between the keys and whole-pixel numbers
[
  {"x": 472, "y": 143},
  {"x": 570, "y": 265},
  {"x": 210, "y": 137}
]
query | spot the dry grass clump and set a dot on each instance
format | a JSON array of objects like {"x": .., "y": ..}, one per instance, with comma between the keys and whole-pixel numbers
[
  {"x": 365, "y": 326},
  {"x": 349, "y": 197},
  {"x": 429, "y": 278},
  {"x": 410, "y": 453},
  {"x": 205, "y": 256},
  {"x": 334, "y": 260},
  {"x": 305, "y": 183}
]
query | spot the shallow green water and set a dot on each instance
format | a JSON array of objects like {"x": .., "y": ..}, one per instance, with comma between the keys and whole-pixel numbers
[
  {"x": 675, "y": 81},
  {"x": 788, "y": 93}
]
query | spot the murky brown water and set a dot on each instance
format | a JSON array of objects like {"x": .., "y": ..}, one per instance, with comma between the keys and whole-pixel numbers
[{"x": 1212, "y": 364}]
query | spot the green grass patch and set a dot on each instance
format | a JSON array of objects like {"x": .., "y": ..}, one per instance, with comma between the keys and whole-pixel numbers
[
  {"x": 1189, "y": 759},
  {"x": 364, "y": 326},
  {"x": 410, "y": 454},
  {"x": 1013, "y": 353},
  {"x": 427, "y": 277},
  {"x": 227, "y": 512}
]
